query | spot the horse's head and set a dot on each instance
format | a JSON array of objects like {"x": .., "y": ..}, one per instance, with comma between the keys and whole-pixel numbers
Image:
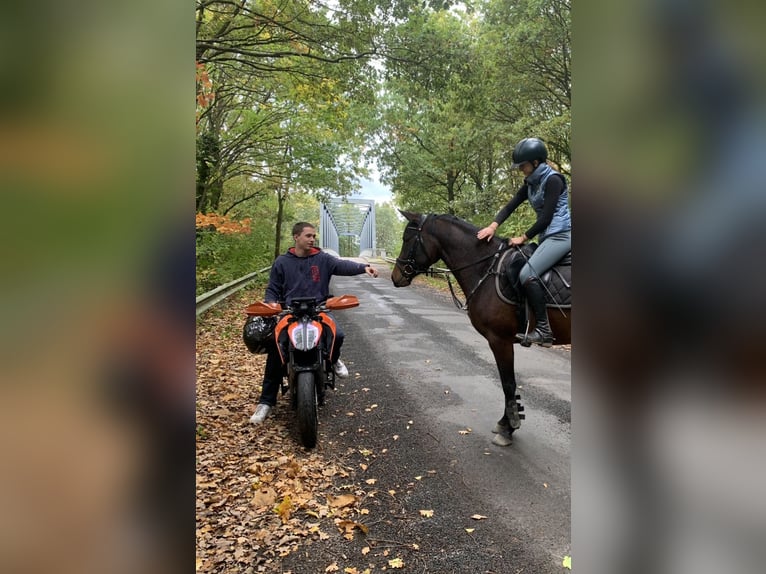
[{"x": 418, "y": 250}]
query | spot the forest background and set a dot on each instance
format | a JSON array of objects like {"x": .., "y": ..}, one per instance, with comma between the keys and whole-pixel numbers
[{"x": 297, "y": 100}]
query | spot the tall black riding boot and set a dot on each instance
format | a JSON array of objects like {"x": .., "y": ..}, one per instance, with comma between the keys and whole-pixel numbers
[{"x": 542, "y": 334}]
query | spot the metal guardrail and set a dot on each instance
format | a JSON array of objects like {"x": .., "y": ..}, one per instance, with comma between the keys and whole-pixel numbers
[{"x": 207, "y": 300}]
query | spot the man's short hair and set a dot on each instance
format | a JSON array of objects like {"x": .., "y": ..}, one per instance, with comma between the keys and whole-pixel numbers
[{"x": 300, "y": 226}]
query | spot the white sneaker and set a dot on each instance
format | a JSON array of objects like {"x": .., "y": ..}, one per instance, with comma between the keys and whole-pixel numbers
[
  {"x": 340, "y": 369},
  {"x": 260, "y": 414}
]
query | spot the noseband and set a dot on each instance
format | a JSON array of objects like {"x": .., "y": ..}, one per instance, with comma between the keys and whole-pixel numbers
[{"x": 408, "y": 267}]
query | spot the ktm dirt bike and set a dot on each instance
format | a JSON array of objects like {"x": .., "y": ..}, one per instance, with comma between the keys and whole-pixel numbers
[{"x": 305, "y": 337}]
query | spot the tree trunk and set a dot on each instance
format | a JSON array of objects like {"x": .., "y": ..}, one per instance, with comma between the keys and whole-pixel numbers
[{"x": 281, "y": 198}]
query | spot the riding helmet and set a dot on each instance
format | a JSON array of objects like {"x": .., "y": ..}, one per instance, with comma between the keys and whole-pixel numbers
[
  {"x": 258, "y": 333},
  {"x": 529, "y": 149}
]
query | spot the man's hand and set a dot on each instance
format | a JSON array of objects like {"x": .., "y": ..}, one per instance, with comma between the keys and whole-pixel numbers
[{"x": 371, "y": 271}]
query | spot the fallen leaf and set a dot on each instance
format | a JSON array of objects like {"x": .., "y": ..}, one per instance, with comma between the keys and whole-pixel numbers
[
  {"x": 466, "y": 431},
  {"x": 284, "y": 509},
  {"x": 418, "y": 477},
  {"x": 343, "y": 500},
  {"x": 347, "y": 527},
  {"x": 567, "y": 563},
  {"x": 371, "y": 480},
  {"x": 427, "y": 513},
  {"x": 396, "y": 437},
  {"x": 332, "y": 567},
  {"x": 363, "y": 466},
  {"x": 396, "y": 563},
  {"x": 265, "y": 497},
  {"x": 350, "y": 570},
  {"x": 545, "y": 485},
  {"x": 365, "y": 551},
  {"x": 478, "y": 517},
  {"x": 469, "y": 530}
]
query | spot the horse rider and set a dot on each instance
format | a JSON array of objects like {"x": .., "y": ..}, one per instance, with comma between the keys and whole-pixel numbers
[{"x": 546, "y": 191}]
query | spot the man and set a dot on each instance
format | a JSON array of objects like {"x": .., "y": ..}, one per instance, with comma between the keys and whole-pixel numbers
[{"x": 304, "y": 271}]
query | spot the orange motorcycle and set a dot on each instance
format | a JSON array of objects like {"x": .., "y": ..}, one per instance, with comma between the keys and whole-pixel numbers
[{"x": 304, "y": 334}]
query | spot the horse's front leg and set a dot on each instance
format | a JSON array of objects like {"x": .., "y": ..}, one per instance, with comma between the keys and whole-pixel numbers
[{"x": 511, "y": 419}]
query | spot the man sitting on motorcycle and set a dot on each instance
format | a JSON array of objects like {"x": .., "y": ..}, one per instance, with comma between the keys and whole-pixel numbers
[{"x": 303, "y": 271}]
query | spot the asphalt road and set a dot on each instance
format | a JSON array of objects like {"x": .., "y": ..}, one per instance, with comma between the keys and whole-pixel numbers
[{"x": 435, "y": 378}]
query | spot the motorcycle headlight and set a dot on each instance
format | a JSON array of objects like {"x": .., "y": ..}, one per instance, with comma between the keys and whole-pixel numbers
[{"x": 305, "y": 337}]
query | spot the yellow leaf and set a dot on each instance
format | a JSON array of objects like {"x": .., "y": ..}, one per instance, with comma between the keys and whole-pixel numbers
[
  {"x": 466, "y": 431},
  {"x": 418, "y": 477},
  {"x": 469, "y": 530},
  {"x": 363, "y": 466},
  {"x": 365, "y": 550},
  {"x": 371, "y": 480},
  {"x": 396, "y": 437},
  {"x": 567, "y": 562},
  {"x": 478, "y": 517},
  {"x": 396, "y": 563},
  {"x": 284, "y": 509},
  {"x": 427, "y": 513},
  {"x": 350, "y": 570},
  {"x": 332, "y": 567}
]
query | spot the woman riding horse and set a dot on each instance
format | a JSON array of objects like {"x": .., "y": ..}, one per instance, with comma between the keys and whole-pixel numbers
[{"x": 546, "y": 191}]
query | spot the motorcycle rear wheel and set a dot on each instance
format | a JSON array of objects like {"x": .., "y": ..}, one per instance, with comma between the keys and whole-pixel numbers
[{"x": 306, "y": 408}]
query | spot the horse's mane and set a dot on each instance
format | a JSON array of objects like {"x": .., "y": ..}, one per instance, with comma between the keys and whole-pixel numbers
[
  {"x": 466, "y": 226},
  {"x": 462, "y": 223}
]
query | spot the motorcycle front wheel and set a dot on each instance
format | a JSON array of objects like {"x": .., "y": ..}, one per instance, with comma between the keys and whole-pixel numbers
[{"x": 306, "y": 408}]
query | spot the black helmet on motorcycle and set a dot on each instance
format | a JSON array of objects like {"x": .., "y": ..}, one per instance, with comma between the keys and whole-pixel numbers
[
  {"x": 258, "y": 333},
  {"x": 529, "y": 149}
]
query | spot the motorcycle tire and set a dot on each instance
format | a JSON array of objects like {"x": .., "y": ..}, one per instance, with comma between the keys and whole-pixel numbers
[{"x": 306, "y": 408}]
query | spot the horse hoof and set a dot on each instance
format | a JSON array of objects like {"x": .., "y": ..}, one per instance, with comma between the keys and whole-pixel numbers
[{"x": 502, "y": 439}]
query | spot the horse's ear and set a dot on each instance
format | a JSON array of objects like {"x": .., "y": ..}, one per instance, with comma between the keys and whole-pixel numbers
[{"x": 410, "y": 215}]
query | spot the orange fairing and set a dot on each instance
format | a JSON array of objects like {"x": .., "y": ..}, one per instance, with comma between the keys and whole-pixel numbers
[
  {"x": 342, "y": 302},
  {"x": 263, "y": 309},
  {"x": 327, "y": 320}
]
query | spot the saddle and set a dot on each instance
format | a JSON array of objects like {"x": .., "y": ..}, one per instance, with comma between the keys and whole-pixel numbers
[{"x": 557, "y": 280}]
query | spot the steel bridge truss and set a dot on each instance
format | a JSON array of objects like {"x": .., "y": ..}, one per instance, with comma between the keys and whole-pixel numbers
[{"x": 354, "y": 218}]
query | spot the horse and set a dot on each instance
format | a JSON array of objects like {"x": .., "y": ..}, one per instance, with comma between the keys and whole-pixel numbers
[{"x": 429, "y": 238}]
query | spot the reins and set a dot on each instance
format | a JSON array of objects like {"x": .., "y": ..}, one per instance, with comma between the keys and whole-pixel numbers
[{"x": 490, "y": 271}]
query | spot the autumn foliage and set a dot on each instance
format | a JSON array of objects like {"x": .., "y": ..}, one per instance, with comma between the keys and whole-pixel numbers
[{"x": 222, "y": 223}]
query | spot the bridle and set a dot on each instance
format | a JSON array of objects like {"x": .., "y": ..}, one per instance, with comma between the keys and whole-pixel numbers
[{"x": 408, "y": 267}]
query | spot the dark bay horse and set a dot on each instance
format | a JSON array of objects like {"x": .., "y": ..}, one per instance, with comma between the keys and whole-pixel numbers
[{"x": 473, "y": 262}]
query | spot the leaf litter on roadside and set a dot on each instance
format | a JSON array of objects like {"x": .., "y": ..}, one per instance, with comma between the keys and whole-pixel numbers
[{"x": 260, "y": 495}]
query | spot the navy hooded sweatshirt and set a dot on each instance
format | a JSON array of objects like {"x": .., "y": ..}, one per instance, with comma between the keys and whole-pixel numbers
[{"x": 293, "y": 276}]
